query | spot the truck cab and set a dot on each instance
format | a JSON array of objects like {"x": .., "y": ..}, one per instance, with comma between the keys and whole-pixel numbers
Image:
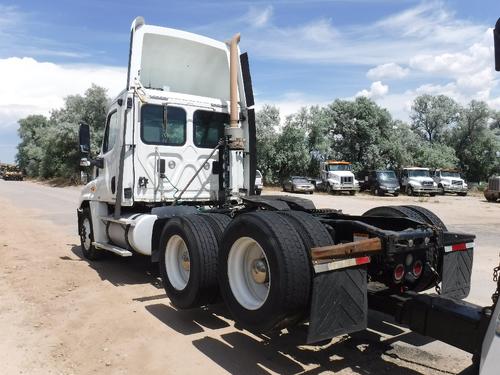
[
  {"x": 381, "y": 182},
  {"x": 417, "y": 180},
  {"x": 337, "y": 176},
  {"x": 168, "y": 121},
  {"x": 450, "y": 181}
]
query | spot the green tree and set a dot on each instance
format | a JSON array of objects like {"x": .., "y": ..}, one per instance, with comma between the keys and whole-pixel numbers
[
  {"x": 292, "y": 156},
  {"x": 29, "y": 151},
  {"x": 61, "y": 155},
  {"x": 399, "y": 147},
  {"x": 357, "y": 129},
  {"x": 436, "y": 155},
  {"x": 433, "y": 116},
  {"x": 90, "y": 108},
  {"x": 474, "y": 143},
  {"x": 49, "y": 147},
  {"x": 267, "y": 123}
]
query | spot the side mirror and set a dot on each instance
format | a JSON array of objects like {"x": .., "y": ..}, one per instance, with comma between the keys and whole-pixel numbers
[
  {"x": 496, "y": 38},
  {"x": 84, "y": 137}
]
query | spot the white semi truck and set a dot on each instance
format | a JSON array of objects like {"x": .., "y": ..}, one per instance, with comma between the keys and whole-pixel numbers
[
  {"x": 450, "y": 181},
  {"x": 337, "y": 176},
  {"x": 417, "y": 180},
  {"x": 175, "y": 180}
]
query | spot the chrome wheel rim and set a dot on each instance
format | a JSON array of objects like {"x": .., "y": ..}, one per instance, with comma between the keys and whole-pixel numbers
[
  {"x": 177, "y": 262},
  {"x": 85, "y": 235},
  {"x": 248, "y": 273}
]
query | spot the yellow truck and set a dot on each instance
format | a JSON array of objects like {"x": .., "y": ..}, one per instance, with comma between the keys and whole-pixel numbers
[{"x": 11, "y": 172}]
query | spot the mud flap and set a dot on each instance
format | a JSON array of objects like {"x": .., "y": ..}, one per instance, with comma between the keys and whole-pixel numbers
[
  {"x": 339, "y": 304},
  {"x": 457, "y": 270}
]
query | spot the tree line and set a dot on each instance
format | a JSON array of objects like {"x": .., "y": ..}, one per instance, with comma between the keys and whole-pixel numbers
[
  {"x": 49, "y": 144},
  {"x": 441, "y": 133}
]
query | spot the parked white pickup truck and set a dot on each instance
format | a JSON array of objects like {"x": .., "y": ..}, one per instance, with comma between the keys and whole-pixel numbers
[
  {"x": 417, "y": 180},
  {"x": 450, "y": 181}
]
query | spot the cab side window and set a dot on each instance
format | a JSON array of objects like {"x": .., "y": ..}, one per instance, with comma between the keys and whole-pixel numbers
[
  {"x": 208, "y": 127},
  {"x": 111, "y": 132}
]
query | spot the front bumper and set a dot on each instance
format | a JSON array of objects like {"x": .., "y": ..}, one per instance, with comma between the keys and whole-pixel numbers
[
  {"x": 390, "y": 189},
  {"x": 454, "y": 189},
  {"x": 425, "y": 189},
  {"x": 303, "y": 189},
  {"x": 344, "y": 187}
]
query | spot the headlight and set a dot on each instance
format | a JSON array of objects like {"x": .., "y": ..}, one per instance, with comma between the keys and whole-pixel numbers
[
  {"x": 415, "y": 183},
  {"x": 445, "y": 182},
  {"x": 434, "y": 184}
]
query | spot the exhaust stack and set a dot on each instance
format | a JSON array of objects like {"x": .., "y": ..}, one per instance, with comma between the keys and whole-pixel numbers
[
  {"x": 233, "y": 79},
  {"x": 234, "y": 132}
]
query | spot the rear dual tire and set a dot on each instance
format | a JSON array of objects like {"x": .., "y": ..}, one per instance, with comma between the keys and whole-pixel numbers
[
  {"x": 189, "y": 248},
  {"x": 262, "y": 269},
  {"x": 265, "y": 271}
]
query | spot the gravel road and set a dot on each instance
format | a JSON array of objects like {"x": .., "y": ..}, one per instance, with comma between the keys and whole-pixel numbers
[{"x": 60, "y": 314}]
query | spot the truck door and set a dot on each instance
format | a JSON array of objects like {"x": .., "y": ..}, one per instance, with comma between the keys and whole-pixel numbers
[{"x": 110, "y": 155}]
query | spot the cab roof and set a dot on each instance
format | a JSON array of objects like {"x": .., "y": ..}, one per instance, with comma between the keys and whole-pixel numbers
[
  {"x": 337, "y": 162},
  {"x": 170, "y": 60}
]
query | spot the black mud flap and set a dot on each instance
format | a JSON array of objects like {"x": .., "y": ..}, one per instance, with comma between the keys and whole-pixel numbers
[
  {"x": 339, "y": 304},
  {"x": 457, "y": 270}
]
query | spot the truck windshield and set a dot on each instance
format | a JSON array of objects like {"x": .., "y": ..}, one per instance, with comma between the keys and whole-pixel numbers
[
  {"x": 209, "y": 127},
  {"x": 386, "y": 175},
  {"x": 153, "y": 129},
  {"x": 339, "y": 167},
  {"x": 450, "y": 174},
  {"x": 418, "y": 173},
  {"x": 300, "y": 180}
]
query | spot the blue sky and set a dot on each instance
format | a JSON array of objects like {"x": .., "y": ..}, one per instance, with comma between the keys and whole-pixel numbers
[{"x": 301, "y": 52}]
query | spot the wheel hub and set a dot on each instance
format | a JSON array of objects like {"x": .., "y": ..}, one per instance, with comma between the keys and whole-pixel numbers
[
  {"x": 186, "y": 263},
  {"x": 259, "y": 271}
]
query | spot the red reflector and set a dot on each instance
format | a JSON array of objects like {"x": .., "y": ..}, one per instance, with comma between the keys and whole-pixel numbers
[
  {"x": 399, "y": 272},
  {"x": 417, "y": 268},
  {"x": 362, "y": 260},
  {"x": 459, "y": 247}
]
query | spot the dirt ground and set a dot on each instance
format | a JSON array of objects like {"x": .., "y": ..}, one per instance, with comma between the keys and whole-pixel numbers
[{"x": 61, "y": 314}]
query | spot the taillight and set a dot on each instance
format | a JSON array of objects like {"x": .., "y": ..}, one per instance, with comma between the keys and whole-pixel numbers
[
  {"x": 417, "y": 268},
  {"x": 399, "y": 273}
]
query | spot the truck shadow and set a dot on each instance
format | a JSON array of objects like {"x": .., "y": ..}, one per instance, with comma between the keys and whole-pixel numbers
[
  {"x": 119, "y": 271},
  {"x": 242, "y": 352},
  {"x": 238, "y": 351}
]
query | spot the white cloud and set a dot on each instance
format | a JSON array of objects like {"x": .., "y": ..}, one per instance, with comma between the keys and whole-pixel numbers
[
  {"x": 33, "y": 87},
  {"x": 291, "y": 102},
  {"x": 259, "y": 18},
  {"x": 470, "y": 72},
  {"x": 428, "y": 28},
  {"x": 377, "y": 90},
  {"x": 465, "y": 60},
  {"x": 387, "y": 71}
]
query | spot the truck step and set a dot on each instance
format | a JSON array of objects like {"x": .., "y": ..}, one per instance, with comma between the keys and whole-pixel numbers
[
  {"x": 121, "y": 221},
  {"x": 114, "y": 249}
]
